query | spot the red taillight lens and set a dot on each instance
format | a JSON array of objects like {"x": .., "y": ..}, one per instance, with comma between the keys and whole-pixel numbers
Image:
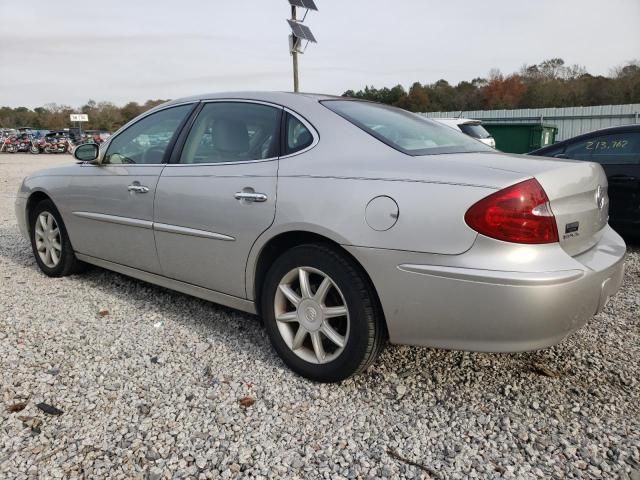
[{"x": 519, "y": 213}]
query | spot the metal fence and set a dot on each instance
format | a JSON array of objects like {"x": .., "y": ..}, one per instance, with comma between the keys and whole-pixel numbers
[{"x": 570, "y": 121}]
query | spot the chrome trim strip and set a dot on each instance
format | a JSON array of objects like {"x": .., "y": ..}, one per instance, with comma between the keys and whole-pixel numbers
[
  {"x": 182, "y": 287},
  {"x": 164, "y": 227},
  {"x": 213, "y": 164},
  {"x": 494, "y": 276},
  {"x": 101, "y": 217}
]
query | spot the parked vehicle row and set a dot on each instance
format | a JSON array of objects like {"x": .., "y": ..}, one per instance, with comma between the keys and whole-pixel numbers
[
  {"x": 385, "y": 225},
  {"x": 44, "y": 141}
]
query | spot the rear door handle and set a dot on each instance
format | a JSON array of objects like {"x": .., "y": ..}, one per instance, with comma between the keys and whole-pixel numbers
[
  {"x": 251, "y": 196},
  {"x": 138, "y": 188}
]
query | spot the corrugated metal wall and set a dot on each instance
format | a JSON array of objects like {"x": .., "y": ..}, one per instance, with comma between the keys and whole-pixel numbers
[{"x": 570, "y": 121}]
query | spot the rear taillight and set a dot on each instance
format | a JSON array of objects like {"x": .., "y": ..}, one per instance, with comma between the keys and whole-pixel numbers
[{"x": 519, "y": 213}]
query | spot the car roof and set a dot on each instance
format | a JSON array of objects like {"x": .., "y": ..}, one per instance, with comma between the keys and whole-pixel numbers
[{"x": 273, "y": 97}]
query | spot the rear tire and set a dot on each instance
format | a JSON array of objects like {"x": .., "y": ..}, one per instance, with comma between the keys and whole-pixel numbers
[
  {"x": 50, "y": 242},
  {"x": 322, "y": 314}
]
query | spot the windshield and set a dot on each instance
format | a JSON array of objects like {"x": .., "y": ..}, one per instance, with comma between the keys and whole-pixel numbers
[
  {"x": 402, "y": 130},
  {"x": 474, "y": 130}
]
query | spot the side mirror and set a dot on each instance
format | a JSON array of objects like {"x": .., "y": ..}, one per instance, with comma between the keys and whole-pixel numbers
[{"x": 87, "y": 152}]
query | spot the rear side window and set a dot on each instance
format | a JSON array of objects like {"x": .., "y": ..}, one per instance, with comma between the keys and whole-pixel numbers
[
  {"x": 405, "y": 131},
  {"x": 297, "y": 135}
]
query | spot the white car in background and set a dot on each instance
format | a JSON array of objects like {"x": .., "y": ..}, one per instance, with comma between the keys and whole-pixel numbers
[{"x": 473, "y": 128}]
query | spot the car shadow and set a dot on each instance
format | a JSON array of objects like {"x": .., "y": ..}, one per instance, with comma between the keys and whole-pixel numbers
[
  {"x": 245, "y": 332},
  {"x": 208, "y": 318}
]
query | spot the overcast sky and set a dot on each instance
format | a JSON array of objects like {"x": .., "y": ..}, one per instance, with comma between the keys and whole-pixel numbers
[{"x": 121, "y": 50}]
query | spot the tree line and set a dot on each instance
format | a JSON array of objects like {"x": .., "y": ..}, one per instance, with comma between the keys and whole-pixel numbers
[
  {"x": 550, "y": 83},
  {"x": 102, "y": 115}
]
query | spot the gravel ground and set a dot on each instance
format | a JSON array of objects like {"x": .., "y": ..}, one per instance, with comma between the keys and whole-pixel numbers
[{"x": 155, "y": 384}]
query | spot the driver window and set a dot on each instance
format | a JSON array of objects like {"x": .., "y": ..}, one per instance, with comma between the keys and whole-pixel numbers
[
  {"x": 146, "y": 141},
  {"x": 233, "y": 132}
]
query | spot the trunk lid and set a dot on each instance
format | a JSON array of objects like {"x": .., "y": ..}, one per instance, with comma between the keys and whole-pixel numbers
[
  {"x": 579, "y": 200},
  {"x": 577, "y": 193}
]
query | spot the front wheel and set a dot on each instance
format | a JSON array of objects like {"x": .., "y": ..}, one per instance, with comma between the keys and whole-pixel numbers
[
  {"x": 35, "y": 150},
  {"x": 50, "y": 242},
  {"x": 321, "y": 313}
]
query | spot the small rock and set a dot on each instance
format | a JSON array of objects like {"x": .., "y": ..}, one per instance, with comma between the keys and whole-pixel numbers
[
  {"x": 103, "y": 312},
  {"x": 144, "y": 409},
  {"x": 155, "y": 474}
]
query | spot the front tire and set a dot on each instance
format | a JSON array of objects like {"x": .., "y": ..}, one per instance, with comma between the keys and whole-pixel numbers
[
  {"x": 34, "y": 150},
  {"x": 321, "y": 313},
  {"x": 50, "y": 242}
]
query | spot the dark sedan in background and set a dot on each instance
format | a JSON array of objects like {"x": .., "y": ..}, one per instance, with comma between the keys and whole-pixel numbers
[{"x": 617, "y": 149}]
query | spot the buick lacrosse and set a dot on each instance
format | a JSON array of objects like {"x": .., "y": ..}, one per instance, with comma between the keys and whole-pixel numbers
[{"x": 342, "y": 223}]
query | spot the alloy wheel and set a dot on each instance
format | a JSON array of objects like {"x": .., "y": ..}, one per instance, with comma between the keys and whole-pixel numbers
[
  {"x": 48, "y": 239},
  {"x": 311, "y": 315}
]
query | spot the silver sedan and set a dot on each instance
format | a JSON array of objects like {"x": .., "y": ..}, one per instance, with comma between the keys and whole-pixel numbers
[{"x": 342, "y": 223}]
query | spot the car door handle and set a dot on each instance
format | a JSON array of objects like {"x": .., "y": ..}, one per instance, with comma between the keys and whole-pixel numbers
[
  {"x": 138, "y": 188},
  {"x": 251, "y": 196}
]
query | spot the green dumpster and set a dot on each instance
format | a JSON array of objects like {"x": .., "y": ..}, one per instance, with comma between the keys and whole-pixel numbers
[{"x": 521, "y": 137}]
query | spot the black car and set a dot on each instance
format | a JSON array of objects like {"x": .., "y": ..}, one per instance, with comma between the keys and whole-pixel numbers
[{"x": 617, "y": 149}]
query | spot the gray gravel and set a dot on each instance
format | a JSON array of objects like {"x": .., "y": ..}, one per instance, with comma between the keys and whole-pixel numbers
[{"x": 152, "y": 384}]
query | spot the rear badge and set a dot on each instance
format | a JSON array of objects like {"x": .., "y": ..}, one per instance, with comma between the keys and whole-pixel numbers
[
  {"x": 571, "y": 227},
  {"x": 571, "y": 230}
]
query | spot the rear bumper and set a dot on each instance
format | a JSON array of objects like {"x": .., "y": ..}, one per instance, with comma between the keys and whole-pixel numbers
[{"x": 496, "y": 297}]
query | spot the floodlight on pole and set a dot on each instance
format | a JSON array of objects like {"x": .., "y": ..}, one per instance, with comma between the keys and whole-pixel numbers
[{"x": 299, "y": 33}]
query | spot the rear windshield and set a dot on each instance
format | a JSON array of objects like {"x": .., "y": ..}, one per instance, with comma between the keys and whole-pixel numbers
[
  {"x": 474, "y": 130},
  {"x": 404, "y": 131}
]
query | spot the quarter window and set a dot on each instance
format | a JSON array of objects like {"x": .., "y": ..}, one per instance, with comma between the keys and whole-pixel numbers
[
  {"x": 146, "y": 141},
  {"x": 233, "y": 132},
  {"x": 298, "y": 135}
]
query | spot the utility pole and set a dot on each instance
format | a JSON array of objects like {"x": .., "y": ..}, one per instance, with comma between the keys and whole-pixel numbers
[
  {"x": 299, "y": 33},
  {"x": 294, "y": 54}
]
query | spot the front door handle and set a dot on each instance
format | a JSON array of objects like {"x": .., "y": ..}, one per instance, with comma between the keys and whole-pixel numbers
[
  {"x": 138, "y": 188},
  {"x": 251, "y": 196}
]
